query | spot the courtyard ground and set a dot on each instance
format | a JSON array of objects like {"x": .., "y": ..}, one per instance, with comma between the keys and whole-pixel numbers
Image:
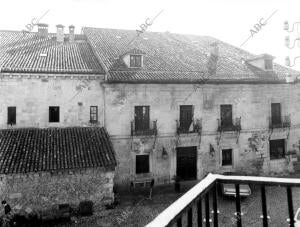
[{"x": 136, "y": 210}]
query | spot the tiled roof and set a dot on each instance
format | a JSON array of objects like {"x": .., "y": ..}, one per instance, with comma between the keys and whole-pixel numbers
[
  {"x": 31, "y": 53},
  {"x": 175, "y": 57},
  {"x": 31, "y": 149}
]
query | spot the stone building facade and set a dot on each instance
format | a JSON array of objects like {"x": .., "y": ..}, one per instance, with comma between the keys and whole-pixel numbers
[
  {"x": 44, "y": 190},
  {"x": 172, "y": 104},
  {"x": 250, "y": 146},
  {"x": 53, "y": 146},
  {"x": 196, "y": 80}
]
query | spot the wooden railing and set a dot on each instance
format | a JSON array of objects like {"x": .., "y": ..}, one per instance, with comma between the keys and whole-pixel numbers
[
  {"x": 151, "y": 130},
  {"x": 285, "y": 122},
  {"x": 196, "y": 127},
  {"x": 235, "y": 126},
  {"x": 185, "y": 204}
]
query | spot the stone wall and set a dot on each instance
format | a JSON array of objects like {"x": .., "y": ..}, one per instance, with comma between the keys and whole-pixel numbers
[
  {"x": 43, "y": 190},
  {"x": 251, "y": 102},
  {"x": 32, "y": 97}
]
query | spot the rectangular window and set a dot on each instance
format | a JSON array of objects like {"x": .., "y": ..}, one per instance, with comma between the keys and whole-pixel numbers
[
  {"x": 227, "y": 157},
  {"x": 142, "y": 164},
  {"x": 136, "y": 61},
  {"x": 226, "y": 116},
  {"x": 94, "y": 114},
  {"x": 268, "y": 64},
  {"x": 277, "y": 149},
  {"x": 141, "y": 118},
  {"x": 276, "y": 113},
  {"x": 53, "y": 113},
  {"x": 186, "y": 117},
  {"x": 11, "y": 115}
]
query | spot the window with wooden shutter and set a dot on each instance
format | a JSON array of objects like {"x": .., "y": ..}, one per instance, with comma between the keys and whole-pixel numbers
[
  {"x": 94, "y": 114},
  {"x": 11, "y": 115},
  {"x": 142, "y": 164},
  {"x": 276, "y": 113},
  {"x": 136, "y": 61},
  {"x": 186, "y": 117},
  {"x": 53, "y": 113},
  {"x": 142, "y": 118},
  {"x": 226, "y": 116}
]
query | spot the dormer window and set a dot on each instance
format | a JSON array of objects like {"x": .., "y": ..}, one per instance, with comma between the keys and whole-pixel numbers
[
  {"x": 135, "y": 61},
  {"x": 268, "y": 64},
  {"x": 263, "y": 62}
]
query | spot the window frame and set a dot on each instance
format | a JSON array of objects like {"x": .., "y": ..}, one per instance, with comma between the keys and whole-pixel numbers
[
  {"x": 93, "y": 114},
  {"x": 140, "y": 166},
  {"x": 11, "y": 119},
  {"x": 144, "y": 126},
  {"x": 54, "y": 119},
  {"x": 224, "y": 123},
  {"x": 231, "y": 157},
  {"x": 269, "y": 63},
  {"x": 133, "y": 61},
  {"x": 183, "y": 124},
  {"x": 277, "y": 155},
  {"x": 276, "y": 120}
]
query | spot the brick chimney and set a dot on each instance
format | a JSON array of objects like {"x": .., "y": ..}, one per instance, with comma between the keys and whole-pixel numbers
[
  {"x": 60, "y": 33},
  {"x": 71, "y": 33},
  {"x": 213, "y": 58},
  {"x": 214, "y": 49},
  {"x": 42, "y": 30}
]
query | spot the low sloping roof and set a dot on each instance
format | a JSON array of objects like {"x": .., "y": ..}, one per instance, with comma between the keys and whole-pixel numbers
[
  {"x": 31, "y": 149},
  {"x": 32, "y": 53},
  {"x": 175, "y": 58}
]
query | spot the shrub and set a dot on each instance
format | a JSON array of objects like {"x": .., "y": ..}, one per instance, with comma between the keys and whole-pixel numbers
[{"x": 85, "y": 208}]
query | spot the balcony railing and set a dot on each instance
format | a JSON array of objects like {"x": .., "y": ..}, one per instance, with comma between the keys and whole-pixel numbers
[
  {"x": 151, "y": 130},
  {"x": 193, "y": 198},
  {"x": 283, "y": 122},
  {"x": 234, "y": 126},
  {"x": 195, "y": 127}
]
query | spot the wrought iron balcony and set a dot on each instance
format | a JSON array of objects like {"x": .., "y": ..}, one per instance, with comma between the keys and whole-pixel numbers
[
  {"x": 282, "y": 122},
  {"x": 233, "y": 126},
  {"x": 193, "y": 200},
  {"x": 144, "y": 131},
  {"x": 195, "y": 127}
]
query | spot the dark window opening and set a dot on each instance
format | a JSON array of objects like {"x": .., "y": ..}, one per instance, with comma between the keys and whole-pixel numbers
[
  {"x": 186, "y": 163},
  {"x": 11, "y": 115},
  {"x": 94, "y": 114},
  {"x": 135, "y": 61},
  {"x": 227, "y": 157},
  {"x": 277, "y": 149},
  {"x": 276, "y": 113},
  {"x": 53, "y": 113},
  {"x": 186, "y": 117},
  {"x": 268, "y": 64},
  {"x": 142, "y": 164},
  {"x": 141, "y": 118},
  {"x": 226, "y": 116}
]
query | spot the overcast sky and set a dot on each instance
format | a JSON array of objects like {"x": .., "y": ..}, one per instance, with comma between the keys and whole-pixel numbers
[{"x": 227, "y": 20}]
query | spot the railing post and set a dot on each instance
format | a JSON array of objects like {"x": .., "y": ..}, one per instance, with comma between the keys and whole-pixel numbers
[
  {"x": 199, "y": 212},
  {"x": 264, "y": 206},
  {"x": 238, "y": 206},
  {"x": 215, "y": 205},
  {"x": 290, "y": 206},
  {"x": 179, "y": 222},
  {"x": 207, "y": 209},
  {"x": 190, "y": 217}
]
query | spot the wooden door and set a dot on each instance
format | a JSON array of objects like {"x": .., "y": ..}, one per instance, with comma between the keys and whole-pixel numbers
[{"x": 187, "y": 163}]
